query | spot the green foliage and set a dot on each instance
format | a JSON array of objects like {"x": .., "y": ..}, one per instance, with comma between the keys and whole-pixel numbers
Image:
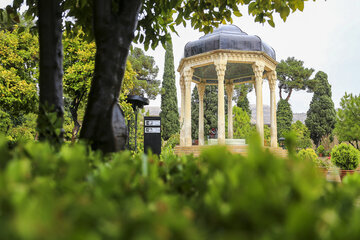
[
  {"x": 11, "y": 20},
  {"x": 345, "y": 156},
  {"x": 172, "y": 141},
  {"x": 19, "y": 54},
  {"x": 347, "y": 127},
  {"x": 169, "y": 108},
  {"x": 320, "y": 149},
  {"x": 79, "y": 62},
  {"x": 50, "y": 125},
  {"x": 292, "y": 75},
  {"x": 195, "y": 114},
  {"x": 267, "y": 135},
  {"x": 5, "y": 122},
  {"x": 310, "y": 155},
  {"x": 146, "y": 72},
  {"x": 25, "y": 131},
  {"x": 302, "y": 135},
  {"x": 210, "y": 110},
  {"x": 240, "y": 96},
  {"x": 76, "y": 193},
  {"x": 284, "y": 117},
  {"x": 242, "y": 126},
  {"x": 321, "y": 116},
  {"x": 140, "y": 133}
]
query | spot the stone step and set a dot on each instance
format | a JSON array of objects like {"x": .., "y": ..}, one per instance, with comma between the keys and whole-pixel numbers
[{"x": 242, "y": 149}]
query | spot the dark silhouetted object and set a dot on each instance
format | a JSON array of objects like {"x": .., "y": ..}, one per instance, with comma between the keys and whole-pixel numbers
[{"x": 152, "y": 134}]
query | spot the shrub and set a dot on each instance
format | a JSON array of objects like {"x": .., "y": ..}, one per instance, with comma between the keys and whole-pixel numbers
[
  {"x": 345, "y": 156},
  {"x": 320, "y": 149},
  {"x": 310, "y": 155},
  {"x": 74, "y": 193},
  {"x": 172, "y": 141}
]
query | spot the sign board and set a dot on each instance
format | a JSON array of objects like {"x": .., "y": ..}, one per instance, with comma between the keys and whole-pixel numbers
[
  {"x": 152, "y": 130},
  {"x": 152, "y": 123},
  {"x": 152, "y": 134}
]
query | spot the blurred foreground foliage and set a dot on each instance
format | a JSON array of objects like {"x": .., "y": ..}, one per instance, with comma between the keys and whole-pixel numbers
[{"x": 75, "y": 193}]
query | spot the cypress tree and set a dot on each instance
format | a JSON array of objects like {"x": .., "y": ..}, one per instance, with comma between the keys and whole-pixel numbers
[
  {"x": 284, "y": 117},
  {"x": 321, "y": 116},
  {"x": 195, "y": 114},
  {"x": 240, "y": 94},
  {"x": 210, "y": 110},
  {"x": 169, "y": 107}
]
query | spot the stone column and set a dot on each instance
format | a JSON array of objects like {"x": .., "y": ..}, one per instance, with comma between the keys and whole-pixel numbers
[
  {"x": 220, "y": 66},
  {"x": 229, "y": 92},
  {"x": 188, "y": 73},
  {"x": 258, "y": 69},
  {"x": 182, "y": 111},
  {"x": 201, "y": 91},
  {"x": 272, "y": 85}
]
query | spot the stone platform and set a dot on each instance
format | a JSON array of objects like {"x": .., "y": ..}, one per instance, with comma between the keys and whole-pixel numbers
[
  {"x": 241, "y": 149},
  {"x": 237, "y": 142}
]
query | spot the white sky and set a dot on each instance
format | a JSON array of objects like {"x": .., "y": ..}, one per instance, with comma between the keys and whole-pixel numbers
[{"x": 325, "y": 36}]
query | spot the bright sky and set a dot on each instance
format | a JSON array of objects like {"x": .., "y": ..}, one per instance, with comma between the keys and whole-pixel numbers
[{"x": 325, "y": 36}]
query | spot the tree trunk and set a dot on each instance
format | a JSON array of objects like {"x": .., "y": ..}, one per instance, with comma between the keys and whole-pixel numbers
[
  {"x": 280, "y": 93},
  {"x": 289, "y": 94},
  {"x": 104, "y": 123},
  {"x": 73, "y": 110},
  {"x": 51, "y": 71}
]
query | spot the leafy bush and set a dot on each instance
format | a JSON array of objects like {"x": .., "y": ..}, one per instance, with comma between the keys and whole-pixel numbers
[
  {"x": 310, "y": 155},
  {"x": 320, "y": 149},
  {"x": 172, "y": 141},
  {"x": 303, "y": 139},
  {"x": 307, "y": 154},
  {"x": 345, "y": 156},
  {"x": 74, "y": 193}
]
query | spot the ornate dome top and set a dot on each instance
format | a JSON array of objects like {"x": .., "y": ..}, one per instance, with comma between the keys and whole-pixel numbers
[{"x": 228, "y": 37}]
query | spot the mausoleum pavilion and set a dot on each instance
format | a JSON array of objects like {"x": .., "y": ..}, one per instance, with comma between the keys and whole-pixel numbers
[{"x": 226, "y": 57}]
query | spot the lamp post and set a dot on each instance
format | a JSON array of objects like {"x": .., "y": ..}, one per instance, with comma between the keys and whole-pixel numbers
[
  {"x": 136, "y": 102},
  {"x": 282, "y": 142}
]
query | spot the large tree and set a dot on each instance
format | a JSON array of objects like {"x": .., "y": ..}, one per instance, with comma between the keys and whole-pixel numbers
[
  {"x": 169, "y": 108},
  {"x": 284, "y": 117},
  {"x": 347, "y": 127},
  {"x": 321, "y": 116},
  {"x": 146, "y": 72},
  {"x": 115, "y": 22},
  {"x": 292, "y": 75}
]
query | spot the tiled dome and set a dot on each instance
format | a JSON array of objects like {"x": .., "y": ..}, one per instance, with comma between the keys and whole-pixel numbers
[{"x": 228, "y": 37}]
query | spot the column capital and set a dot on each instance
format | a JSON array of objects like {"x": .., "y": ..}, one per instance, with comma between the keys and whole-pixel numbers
[
  {"x": 220, "y": 62},
  {"x": 188, "y": 73},
  {"x": 201, "y": 89},
  {"x": 258, "y": 69},
  {"x": 229, "y": 87},
  {"x": 271, "y": 76}
]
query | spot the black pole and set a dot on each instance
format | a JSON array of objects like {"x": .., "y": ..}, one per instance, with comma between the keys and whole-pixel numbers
[{"x": 136, "y": 113}]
